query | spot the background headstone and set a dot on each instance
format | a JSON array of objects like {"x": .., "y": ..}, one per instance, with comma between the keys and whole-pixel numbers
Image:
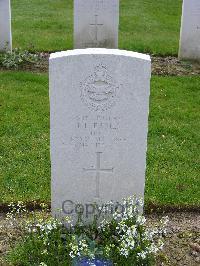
[
  {"x": 5, "y": 26},
  {"x": 190, "y": 30},
  {"x": 99, "y": 102},
  {"x": 96, "y": 23}
]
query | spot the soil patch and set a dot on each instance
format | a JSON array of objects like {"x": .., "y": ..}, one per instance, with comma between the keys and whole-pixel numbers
[
  {"x": 171, "y": 66},
  {"x": 162, "y": 66}
]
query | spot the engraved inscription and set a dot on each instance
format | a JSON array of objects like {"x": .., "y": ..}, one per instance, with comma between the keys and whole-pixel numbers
[
  {"x": 100, "y": 5},
  {"x": 98, "y": 171},
  {"x": 91, "y": 44},
  {"x": 99, "y": 91},
  {"x": 195, "y": 14},
  {"x": 96, "y": 132},
  {"x": 96, "y": 26},
  {"x": 196, "y": 9}
]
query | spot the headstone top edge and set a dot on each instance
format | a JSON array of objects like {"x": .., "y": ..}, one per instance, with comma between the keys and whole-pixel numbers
[{"x": 99, "y": 51}]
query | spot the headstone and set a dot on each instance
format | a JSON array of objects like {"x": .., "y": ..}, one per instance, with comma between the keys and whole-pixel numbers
[
  {"x": 96, "y": 23},
  {"x": 5, "y": 25},
  {"x": 99, "y": 102},
  {"x": 190, "y": 30}
]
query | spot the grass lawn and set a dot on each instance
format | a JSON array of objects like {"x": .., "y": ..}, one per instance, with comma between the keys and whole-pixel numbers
[
  {"x": 146, "y": 26},
  {"x": 173, "y": 153}
]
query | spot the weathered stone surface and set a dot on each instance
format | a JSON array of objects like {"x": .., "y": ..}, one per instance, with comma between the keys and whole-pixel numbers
[
  {"x": 99, "y": 101},
  {"x": 96, "y": 23},
  {"x": 5, "y": 25},
  {"x": 190, "y": 30}
]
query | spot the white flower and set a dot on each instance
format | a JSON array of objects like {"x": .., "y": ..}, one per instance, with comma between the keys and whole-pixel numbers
[
  {"x": 71, "y": 254},
  {"x": 142, "y": 255},
  {"x": 153, "y": 249},
  {"x": 103, "y": 224},
  {"x": 141, "y": 220},
  {"x": 44, "y": 252}
]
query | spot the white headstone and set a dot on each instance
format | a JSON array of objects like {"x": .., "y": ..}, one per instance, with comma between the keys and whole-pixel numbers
[
  {"x": 5, "y": 25},
  {"x": 190, "y": 30},
  {"x": 99, "y": 102},
  {"x": 96, "y": 23}
]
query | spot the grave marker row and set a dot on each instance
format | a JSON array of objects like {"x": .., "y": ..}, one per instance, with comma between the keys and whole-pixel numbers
[
  {"x": 96, "y": 23},
  {"x": 190, "y": 30},
  {"x": 5, "y": 26}
]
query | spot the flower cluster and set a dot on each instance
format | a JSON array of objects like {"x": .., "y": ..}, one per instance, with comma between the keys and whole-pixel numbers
[
  {"x": 104, "y": 224},
  {"x": 44, "y": 227},
  {"x": 15, "y": 210},
  {"x": 121, "y": 234},
  {"x": 78, "y": 247},
  {"x": 132, "y": 235}
]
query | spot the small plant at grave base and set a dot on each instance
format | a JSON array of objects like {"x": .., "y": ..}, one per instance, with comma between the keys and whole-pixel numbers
[
  {"x": 16, "y": 211},
  {"x": 121, "y": 239},
  {"x": 16, "y": 58}
]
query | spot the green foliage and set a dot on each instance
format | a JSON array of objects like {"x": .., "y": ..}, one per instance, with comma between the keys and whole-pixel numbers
[
  {"x": 32, "y": 250},
  {"x": 125, "y": 239},
  {"x": 16, "y": 58}
]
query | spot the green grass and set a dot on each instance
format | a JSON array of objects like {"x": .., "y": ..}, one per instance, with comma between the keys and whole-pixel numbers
[
  {"x": 173, "y": 143},
  {"x": 145, "y": 26},
  {"x": 173, "y": 152},
  {"x": 24, "y": 119}
]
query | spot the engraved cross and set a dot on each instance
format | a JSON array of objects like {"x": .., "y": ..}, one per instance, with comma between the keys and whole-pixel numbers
[
  {"x": 96, "y": 24},
  {"x": 98, "y": 171}
]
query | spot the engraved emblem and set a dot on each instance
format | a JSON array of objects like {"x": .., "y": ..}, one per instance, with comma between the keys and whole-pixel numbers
[{"x": 99, "y": 90}]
